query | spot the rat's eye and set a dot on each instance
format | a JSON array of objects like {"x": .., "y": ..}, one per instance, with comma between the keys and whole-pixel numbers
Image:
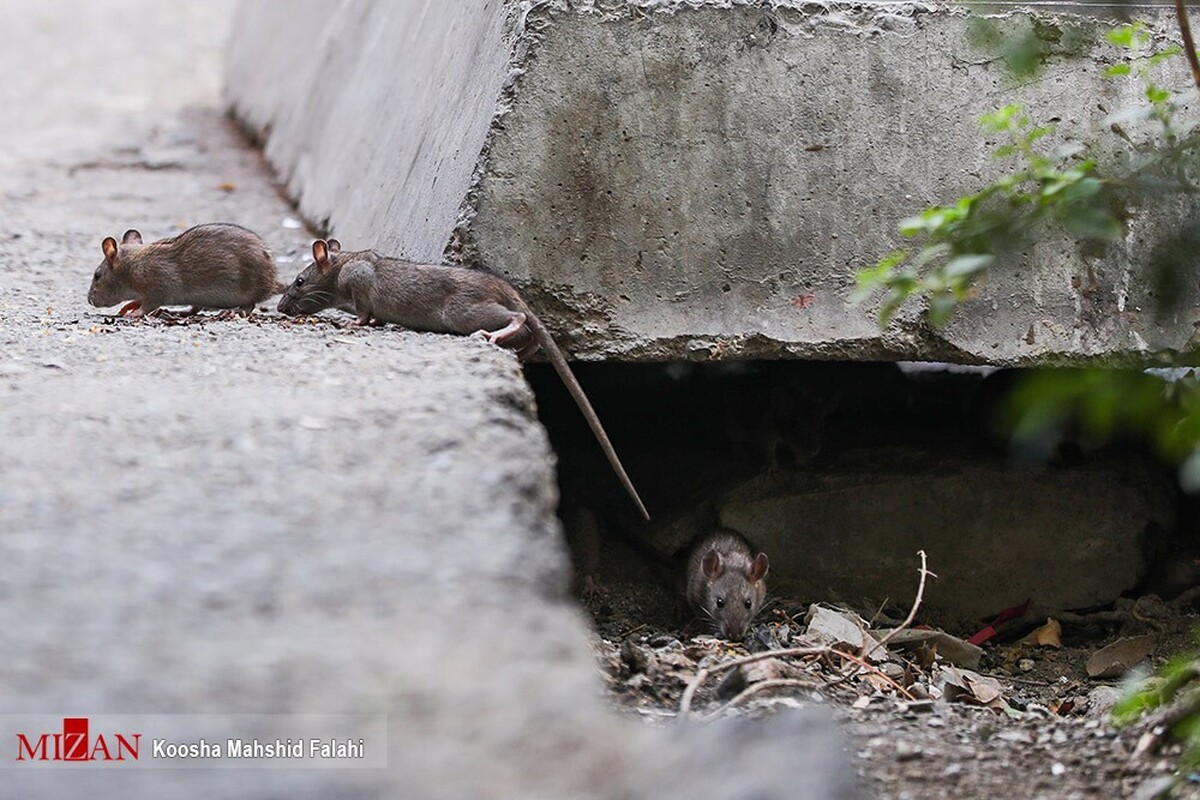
[
  {"x": 299, "y": 282},
  {"x": 720, "y": 602},
  {"x": 749, "y": 604}
]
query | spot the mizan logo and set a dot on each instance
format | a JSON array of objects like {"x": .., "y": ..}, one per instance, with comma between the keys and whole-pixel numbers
[{"x": 75, "y": 744}]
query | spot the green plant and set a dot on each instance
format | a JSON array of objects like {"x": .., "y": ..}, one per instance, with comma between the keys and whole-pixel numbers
[
  {"x": 1173, "y": 699},
  {"x": 955, "y": 245},
  {"x": 1101, "y": 406}
]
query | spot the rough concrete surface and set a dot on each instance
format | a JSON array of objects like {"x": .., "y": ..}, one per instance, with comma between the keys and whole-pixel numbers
[
  {"x": 366, "y": 150},
  {"x": 668, "y": 179},
  {"x": 991, "y": 532},
  {"x": 252, "y": 516}
]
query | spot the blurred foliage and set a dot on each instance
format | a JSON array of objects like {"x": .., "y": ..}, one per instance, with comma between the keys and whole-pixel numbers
[
  {"x": 1171, "y": 694},
  {"x": 1100, "y": 406},
  {"x": 1051, "y": 190},
  {"x": 1086, "y": 192},
  {"x": 1024, "y": 44}
]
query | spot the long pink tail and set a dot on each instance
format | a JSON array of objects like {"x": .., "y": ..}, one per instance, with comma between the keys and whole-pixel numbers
[{"x": 568, "y": 378}]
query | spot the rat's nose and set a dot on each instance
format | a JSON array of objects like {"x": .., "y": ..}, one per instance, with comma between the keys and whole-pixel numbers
[{"x": 733, "y": 631}]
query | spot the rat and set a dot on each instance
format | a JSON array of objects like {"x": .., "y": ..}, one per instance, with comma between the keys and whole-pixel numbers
[
  {"x": 726, "y": 582},
  {"x": 215, "y": 265},
  {"x": 437, "y": 299}
]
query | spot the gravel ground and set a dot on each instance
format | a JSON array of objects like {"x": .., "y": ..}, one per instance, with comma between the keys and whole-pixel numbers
[{"x": 1054, "y": 740}]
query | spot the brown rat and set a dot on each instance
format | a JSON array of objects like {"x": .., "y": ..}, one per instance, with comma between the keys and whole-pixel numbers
[
  {"x": 726, "y": 582},
  {"x": 437, "y": 299},
  {"x": 215, "y": 265}
]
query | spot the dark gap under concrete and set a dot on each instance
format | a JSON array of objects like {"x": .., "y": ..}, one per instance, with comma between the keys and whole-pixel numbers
[{"x": 842, "y": 469}]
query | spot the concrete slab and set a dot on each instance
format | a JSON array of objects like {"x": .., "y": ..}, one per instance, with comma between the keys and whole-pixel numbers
[
  {"x": 666, "y": 179},
  {"x": 374, "y": 114},
  {"x": 1067, "y": 537}
]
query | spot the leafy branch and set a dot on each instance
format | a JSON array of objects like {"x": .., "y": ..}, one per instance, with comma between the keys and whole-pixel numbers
[
  {"x": 954, "y": 246},
  {"x": 1105, "y": 405}
]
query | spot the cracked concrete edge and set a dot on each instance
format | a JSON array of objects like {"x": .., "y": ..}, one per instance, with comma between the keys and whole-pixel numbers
[
  {"x": 1066, "y": 331},
  {"x": 424, "y": 198},
  {"x": 307, "y": 84}
]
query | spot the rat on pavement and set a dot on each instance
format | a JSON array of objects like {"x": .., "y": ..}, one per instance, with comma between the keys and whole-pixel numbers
[
  {"x": 438, "y": 299},
  {"x": 215, "y": 265}
]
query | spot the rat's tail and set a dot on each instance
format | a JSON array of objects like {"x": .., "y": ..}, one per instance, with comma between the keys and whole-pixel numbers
[{"x": 568, "y": 378}]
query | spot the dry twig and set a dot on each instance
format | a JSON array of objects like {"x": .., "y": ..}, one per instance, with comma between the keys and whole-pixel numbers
[
  {"x": 863, "y": 664},
  {"x": 1189, "y": 46},
  {"x": 755, "y": 688},
  {"x": 912, "y": 613},
  {"x": 685, "y": 702}
]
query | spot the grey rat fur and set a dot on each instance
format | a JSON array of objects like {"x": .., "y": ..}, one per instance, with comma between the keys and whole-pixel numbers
[
  {"x": 215, "y": 265},
  {"x": 726, "y": 582},
  {"x": 437, "y": 299}
]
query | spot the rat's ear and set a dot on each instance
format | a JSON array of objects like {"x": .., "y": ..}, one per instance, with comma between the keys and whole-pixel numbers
[
  {"x": 712, "y": 565},
  {"x": 334, "y": 245},
  {"x": 758, "y": 569},
  {"x": 131, "y": 237},
  {"x": 109, "y": 246},
  {"x": 321, "y": 254}
]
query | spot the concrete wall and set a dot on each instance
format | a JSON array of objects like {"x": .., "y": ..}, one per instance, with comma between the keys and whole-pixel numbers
[
  {"x": 373, "y": 113},
  {"x": 664, "y": 179}
]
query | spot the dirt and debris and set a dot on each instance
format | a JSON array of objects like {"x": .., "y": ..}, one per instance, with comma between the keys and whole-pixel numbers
[{"x": 926, "y": 713}]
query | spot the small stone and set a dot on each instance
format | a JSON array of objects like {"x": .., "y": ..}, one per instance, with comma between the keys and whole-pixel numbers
[
  {"x": 1026, "y": 665},
  {"x": 915, "y": 706},
  {"x": 1057, "y": 769},
  {"x": 1154, "y": 788},
  {"x": 1102, "y": 699},
  {"x": 907, "y": 751}
]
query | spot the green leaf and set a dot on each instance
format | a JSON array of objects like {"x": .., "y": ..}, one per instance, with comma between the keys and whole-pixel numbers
[
  {"x": 1053, "y": 188},
  {"x": 911, "y": 226},
  {"x": 929, "y": 254},
  {"x": 1000, "y": 119},
  {"x": 869, "y": 279},
  {"x": 961, "y": 267},
  {"x": 1085, "y": 188},
  {"x": 1132, "y": 706},
  {"x": 1156, "y": 94},
  {"x": 1131, "y": 35},
  {"x": 941, "y": 308},
  {"x": 1117, "y": 69},
  {"x": 1122, "y": 36},
  {"x": 1038, "y": 133},
  {"x": 894, "y": 300},
  {"x": 1163, "y": 55},
  {"x": 1092, "y": 222}
]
